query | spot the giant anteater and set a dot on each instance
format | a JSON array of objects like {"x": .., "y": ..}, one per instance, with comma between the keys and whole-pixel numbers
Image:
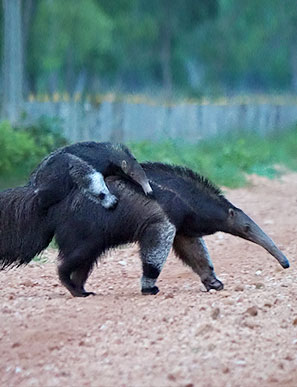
[
  {"x": 53, "y": 181},
  {"x": 185, "y": 208}
]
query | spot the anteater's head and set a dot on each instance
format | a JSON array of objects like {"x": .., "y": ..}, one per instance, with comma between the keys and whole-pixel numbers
[
  {"x": 128, "y": 166},
  {"x": 239, "y": 224}
]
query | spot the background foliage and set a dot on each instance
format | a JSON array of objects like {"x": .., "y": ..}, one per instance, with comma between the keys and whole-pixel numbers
[
  {"x": 23, "y": 147},
  {"x": 178, "y": 47},
  {"x": 161, "y": 48},
  {"x": 226, "y": 161}
]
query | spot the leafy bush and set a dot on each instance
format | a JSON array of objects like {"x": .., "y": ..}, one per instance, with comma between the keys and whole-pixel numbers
[
  {"x": 46, "y": 133},
  {"x": 23, "y": 147},
  {"x": 17, "y": 149},
  {"x": 227, "y": 160}
]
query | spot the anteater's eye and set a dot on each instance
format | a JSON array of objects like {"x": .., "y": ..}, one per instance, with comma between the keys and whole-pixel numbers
[
  {"x": 124, "y": 165},
  {"x": 247, "y": 228}
]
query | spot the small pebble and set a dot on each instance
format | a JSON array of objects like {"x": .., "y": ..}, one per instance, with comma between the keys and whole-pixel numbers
[
  {"x": 171, "y": 377},
  {"x": 215, "y": 313},
  {"x": 240, "y": 362},
  {"x": 259, "y": 285},
  {"x": 239, "y": 288},
  {"x": 253, "y": 310}
]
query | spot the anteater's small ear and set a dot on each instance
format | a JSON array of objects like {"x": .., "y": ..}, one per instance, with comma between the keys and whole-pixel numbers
[
  {"x": 231, "y": 213},
  {"x": 124, "y": 165}
]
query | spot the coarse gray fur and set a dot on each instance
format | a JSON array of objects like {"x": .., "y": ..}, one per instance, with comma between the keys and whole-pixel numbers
[
  {"x": 154, "y": 252},
  {"x": 194, "y": 253}
]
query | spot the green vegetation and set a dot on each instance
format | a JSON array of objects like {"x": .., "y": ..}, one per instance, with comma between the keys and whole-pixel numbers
[
  {"x": 224, "y": 160},
  {"x": 227, "y": 160},
  {"x": 24, "y": 146},
  {"x": 190, "y": 48}
]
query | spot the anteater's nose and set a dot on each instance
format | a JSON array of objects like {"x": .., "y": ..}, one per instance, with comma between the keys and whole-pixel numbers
[
  {"x": 114, "y": 203},
  {"x": 147, "y": 188}
]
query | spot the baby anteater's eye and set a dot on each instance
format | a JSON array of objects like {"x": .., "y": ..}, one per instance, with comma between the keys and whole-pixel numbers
[
  {"x": 101, "y": 196},
  {"x": 247, "y": 228}
]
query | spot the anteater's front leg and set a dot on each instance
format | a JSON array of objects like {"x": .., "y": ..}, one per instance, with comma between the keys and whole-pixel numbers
[
  {"x": 193, "y": 252},
  {"x": 155, "y": 245}
]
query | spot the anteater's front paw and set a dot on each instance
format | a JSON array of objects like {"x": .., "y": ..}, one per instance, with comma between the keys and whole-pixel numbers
[
  {"x": 146, "y": 291},
  {"x": 213, "y": 283},
  {"x": 87, "y": 294}
]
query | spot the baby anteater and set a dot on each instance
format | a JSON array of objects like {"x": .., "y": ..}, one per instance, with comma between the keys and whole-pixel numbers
[{"x": 54, "y": 178}]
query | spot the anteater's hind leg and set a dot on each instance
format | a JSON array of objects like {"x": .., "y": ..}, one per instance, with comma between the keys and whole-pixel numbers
[
  {"x": 193, "y": 252},
  {"x": 74, "y": 270},
  {"x": 80, "y": 276},
  {"x": 155, "y": 245}
]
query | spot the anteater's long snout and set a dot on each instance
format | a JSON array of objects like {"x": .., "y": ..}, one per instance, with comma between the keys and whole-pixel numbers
[
  {"x": 147, "y": 189},
  {"x": 246, "y": 228},
  {"x": 140, "y": 177},
  {"x": 259, "y": 237}
]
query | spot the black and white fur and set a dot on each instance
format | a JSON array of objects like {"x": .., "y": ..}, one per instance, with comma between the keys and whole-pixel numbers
[{"x": 53, "y": 178}]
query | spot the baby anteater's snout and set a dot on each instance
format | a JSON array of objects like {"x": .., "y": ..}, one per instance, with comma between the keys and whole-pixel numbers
[{"x": 108, "y": 200}]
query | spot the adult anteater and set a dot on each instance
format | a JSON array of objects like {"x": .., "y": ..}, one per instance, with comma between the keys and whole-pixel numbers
[
  {"x": 53, "y": 181},
  {"x": 25, "y": 229},
  {"x": 185, "y": 207}
]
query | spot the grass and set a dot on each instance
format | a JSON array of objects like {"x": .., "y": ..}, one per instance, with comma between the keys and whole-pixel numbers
[
  {"x": 227, "y": 160},
  {"x": 224, "y": 160}
]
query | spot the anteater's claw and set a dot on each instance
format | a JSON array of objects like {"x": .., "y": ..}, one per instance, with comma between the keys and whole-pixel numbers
[
  {"x": 213, "y": 283},
  {"x": 150, "y": 291}
]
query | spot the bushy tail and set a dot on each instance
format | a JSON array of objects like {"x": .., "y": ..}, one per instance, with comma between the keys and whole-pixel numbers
[{"x": 24, "y": 232}]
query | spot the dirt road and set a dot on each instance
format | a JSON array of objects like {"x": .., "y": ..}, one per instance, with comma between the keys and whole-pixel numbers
[{"x": 245, "y": 335}]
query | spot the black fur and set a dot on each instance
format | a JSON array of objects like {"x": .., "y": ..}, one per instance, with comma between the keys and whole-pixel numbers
[
  {"x": 25, "y": 229},
  {"x": 185, "y": 207},
  {"x": 84, "y": 230}
]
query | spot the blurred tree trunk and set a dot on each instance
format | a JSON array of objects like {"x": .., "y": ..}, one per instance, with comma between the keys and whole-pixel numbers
[
  {"x": 81, "y": 82},
  {"x": 294, "y": 67},
  {"x": 293, "y": 53},
  {"x": 29, "y": 10},
  {"x": 13, "y": 60},
  {"x": 166, "y": 48},
  {"x": 53, "y": 82},
  {"x": 70, "y": 72},
  {"x": 117, "y": 130},
  {"x": 166, "y": 59}
]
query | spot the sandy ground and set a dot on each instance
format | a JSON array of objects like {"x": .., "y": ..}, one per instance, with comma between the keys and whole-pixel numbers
[{"x": 245, "y": 335}]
